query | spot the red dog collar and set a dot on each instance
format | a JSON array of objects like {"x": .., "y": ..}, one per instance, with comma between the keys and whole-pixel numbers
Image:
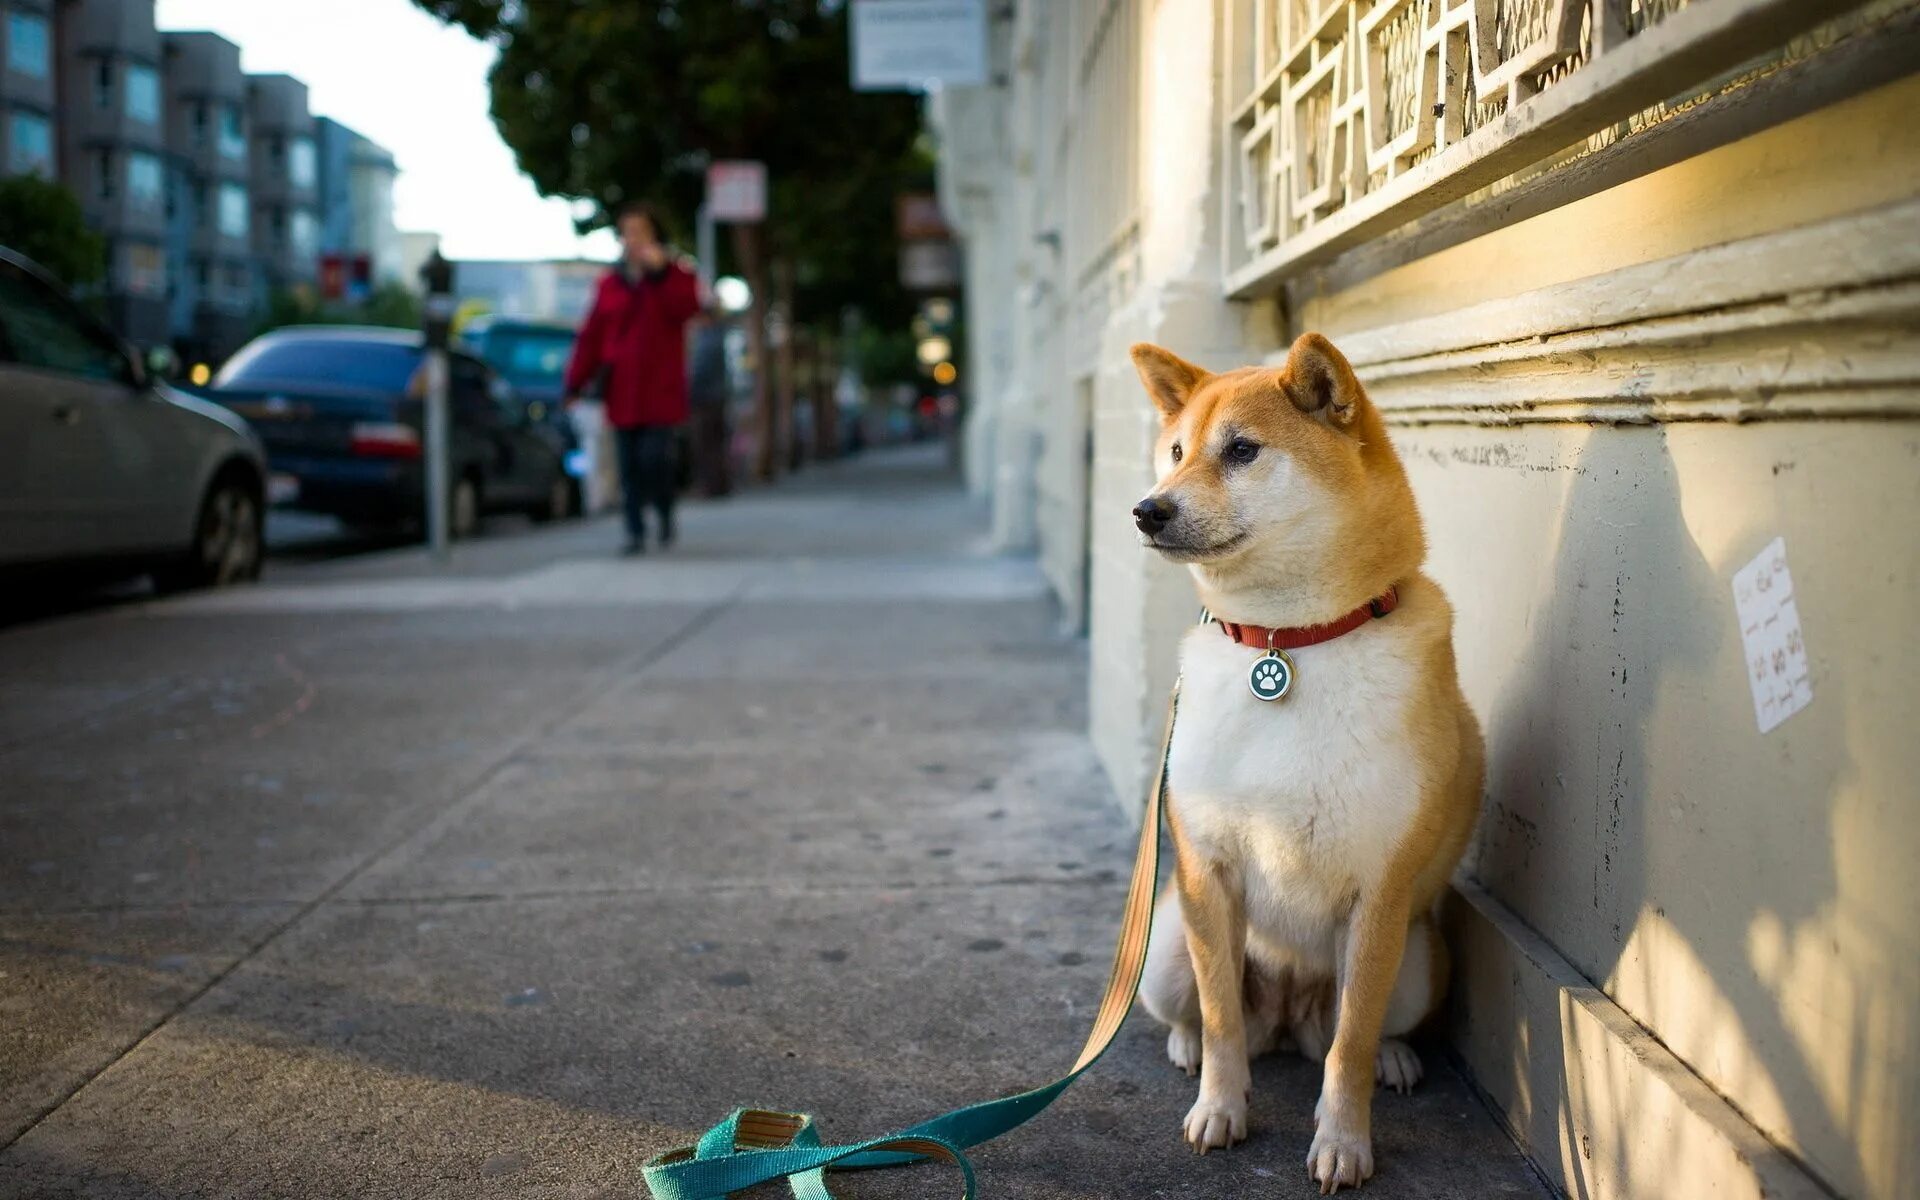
[{"x": 1259, "y": 637}]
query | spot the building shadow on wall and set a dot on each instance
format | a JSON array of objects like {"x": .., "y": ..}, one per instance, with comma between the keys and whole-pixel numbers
[{"x": 1647, "y": 828}]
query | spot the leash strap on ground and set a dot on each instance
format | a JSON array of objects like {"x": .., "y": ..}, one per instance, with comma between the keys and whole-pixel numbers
[{"x": 754, "y": 1146}]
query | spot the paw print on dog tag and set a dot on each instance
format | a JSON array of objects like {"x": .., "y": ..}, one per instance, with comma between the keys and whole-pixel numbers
[{"x": 1272, "y": 675}]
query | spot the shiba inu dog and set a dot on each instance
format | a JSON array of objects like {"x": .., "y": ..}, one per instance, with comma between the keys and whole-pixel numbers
[{"x": 1325, "y": 771}]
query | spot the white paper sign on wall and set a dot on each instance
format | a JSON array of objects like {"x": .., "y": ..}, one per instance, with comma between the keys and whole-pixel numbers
[{"x": 1770, "y": 632}]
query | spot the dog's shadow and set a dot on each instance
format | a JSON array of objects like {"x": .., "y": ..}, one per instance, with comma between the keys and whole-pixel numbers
[{"x": 1594, "y": 832}]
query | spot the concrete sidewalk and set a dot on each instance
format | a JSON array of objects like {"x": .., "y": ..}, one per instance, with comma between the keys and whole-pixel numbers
[{"x": 384, "y": 881}]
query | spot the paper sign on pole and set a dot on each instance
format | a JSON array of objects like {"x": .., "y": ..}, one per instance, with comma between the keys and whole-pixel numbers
[
  {"x": 737, "y": 191},
  {"x": 912, "y": 45}
]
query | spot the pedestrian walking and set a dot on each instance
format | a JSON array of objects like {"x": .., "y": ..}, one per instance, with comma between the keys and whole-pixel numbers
[
  {"x": 633, "y": 343},
  {"x": 710, "y": 390}
]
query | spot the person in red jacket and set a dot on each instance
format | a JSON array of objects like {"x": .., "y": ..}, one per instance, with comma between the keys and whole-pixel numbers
[{"x": 634, "y": 343}]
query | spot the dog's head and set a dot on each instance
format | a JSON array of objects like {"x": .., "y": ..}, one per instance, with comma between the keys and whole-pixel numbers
[{"x": 1276, "y": 474}]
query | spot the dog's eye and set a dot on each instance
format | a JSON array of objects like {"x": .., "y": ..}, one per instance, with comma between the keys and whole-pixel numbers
[
  {"x": 1241, "y": 450},
  {"x": 1176, "y": 452}
]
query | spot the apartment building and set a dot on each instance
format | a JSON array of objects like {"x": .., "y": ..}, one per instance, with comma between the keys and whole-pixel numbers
[
  {"x": 285, "y": 183},
  {"x": 1633, "y": 284},
  {"x": 210, "y": 239},
  {"x": 206, "y": 183},
  {"x": 27, "y": 93},
  {"x": 357, "y": 233},
  {"x": 112, "y": 147}
]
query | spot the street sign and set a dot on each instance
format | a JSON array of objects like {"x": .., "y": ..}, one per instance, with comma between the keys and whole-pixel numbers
[
  {"x": 917, "y": 218},
  {"x": 914, "y": 45},
  {"x": 929, "y": 266},
  {"x": 737, "y": 191}
]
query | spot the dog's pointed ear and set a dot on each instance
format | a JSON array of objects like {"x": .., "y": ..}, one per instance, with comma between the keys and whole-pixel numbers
[
  {"x": 1320, "y": 382},
  {"x": 1168, "y": 378}
]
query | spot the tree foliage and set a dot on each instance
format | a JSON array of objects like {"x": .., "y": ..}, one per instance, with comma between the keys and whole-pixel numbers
[
  {"x": 43, "y": 221},
  {"x": 390, "y": 304},
  {"x": 612, "y": 100}
]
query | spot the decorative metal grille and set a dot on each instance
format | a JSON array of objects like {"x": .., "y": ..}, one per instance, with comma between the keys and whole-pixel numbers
[{"x": 1348, "y": 95}]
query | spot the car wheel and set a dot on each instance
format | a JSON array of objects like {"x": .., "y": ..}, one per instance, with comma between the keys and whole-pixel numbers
[
  {"x": 227, "y": 541},
  {"x": 559, "y": 502},
  {"x": 463, "y": 509}
]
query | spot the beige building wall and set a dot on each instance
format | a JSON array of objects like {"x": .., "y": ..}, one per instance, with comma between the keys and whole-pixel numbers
[{"x": 1631, "y": 319}]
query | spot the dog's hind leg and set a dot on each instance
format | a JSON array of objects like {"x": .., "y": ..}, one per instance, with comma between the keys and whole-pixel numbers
[
  {"x": 1167, "y": 988},
  {"x": 1417, "y": 991}
]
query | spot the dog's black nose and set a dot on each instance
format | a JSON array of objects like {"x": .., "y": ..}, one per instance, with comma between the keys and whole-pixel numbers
[{"x": 1152, "y": 514}]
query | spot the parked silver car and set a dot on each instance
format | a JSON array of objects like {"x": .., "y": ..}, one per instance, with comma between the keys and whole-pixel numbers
[{"x": 101, "y": 464}]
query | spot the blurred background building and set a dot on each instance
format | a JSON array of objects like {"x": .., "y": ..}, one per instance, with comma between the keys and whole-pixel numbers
[
  {"x": 359, "y": 244},
  {"x": 210, "y": 240},
  {"x": 541, "y": 289},
  {"x": 111, "y": 141},
  {"x": 1633, "y": 284},
  {"x": 286, "y": 183},
  {"x": 213, "y": 190}
]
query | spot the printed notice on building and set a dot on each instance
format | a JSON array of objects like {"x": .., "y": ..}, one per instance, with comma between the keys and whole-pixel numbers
[
  {"x": 913, "y": 45},
  {"x": 1770, "y": 631}
]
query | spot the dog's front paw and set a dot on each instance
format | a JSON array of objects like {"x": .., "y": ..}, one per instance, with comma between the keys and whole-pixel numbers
[
  {"x": 1183, "y": 1047},
  {"x": 1214, "y": 1123},
  {"x": 1338, "y": 1157},
  {"x": 1397, "y": 1066}
]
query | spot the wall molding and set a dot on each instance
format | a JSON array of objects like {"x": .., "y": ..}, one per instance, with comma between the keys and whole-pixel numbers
[
  {"x": 1819, "y": 321},
  {"x": 1604, "y": 1109}
]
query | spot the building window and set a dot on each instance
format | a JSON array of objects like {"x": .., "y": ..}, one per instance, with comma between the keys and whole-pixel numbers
[
  {"x": 233, "y": 140},
  {"x": 276, "y": 150},
  {"x": 146, "y": 269},
  {"x": 202, "y": 276},
  {"x": 143, "y": 94},
  {"x": 145, "y": 180},
  {"x": 306, "y": 234},
  {"x": 199, "y": 123},
  {"x": 103, "y": 174},
  {"x": 30, "y": 145},
  {"x": 277, "y": 225},
  {"x": 103, "y": 83},
  {"x": 301, "y": 163},
  {"x": 233, "y": 210},
  {"x": 27, "y": 44}
]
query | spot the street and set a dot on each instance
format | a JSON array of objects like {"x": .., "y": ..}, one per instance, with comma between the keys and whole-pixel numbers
[{"x": 378, "y": 879}]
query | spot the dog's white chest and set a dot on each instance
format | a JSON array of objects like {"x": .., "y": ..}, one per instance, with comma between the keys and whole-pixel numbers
[{"x": 1308, "y": 795}]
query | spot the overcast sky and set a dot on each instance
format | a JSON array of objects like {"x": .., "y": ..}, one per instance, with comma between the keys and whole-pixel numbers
[{"x": 419, "y": 89}]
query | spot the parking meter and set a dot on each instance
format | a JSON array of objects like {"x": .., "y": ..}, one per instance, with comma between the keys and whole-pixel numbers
[{"x": 437, "y": 278}]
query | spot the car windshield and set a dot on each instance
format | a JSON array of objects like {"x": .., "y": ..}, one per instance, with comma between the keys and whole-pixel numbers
[
  {"x": 338, "y": 361},
  {"x": 530, "y": 357}
]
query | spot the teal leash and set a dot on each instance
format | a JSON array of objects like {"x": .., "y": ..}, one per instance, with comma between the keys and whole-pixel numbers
[{"x": 755, "y": 1146}]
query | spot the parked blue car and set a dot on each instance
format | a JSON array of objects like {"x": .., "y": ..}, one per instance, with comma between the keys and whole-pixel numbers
[
  {"x": 341, "y": 410},
  {"x": 531, "y": 355}
]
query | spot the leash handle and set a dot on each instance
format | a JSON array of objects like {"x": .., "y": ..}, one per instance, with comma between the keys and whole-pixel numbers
[{"x": 754, "y": 1146}]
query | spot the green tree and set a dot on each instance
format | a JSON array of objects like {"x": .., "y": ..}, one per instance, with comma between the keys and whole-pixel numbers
[
  {"x": 611, "y": 100},
  {"x": 390, "y": 304},
  {"x": 43, "y": 221}
]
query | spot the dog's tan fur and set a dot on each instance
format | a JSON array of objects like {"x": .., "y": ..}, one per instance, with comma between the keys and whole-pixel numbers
[{"x": 1312, "y": 835}]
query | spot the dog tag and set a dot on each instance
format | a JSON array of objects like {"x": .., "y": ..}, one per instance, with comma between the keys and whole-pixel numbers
[{"x": 1272, "y": 675}]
